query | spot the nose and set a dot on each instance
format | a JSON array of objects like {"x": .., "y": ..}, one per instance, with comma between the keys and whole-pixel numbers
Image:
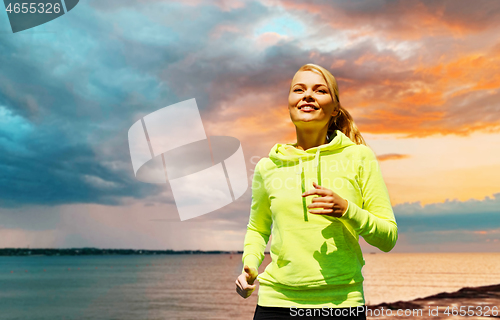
[{"x": 308, "y": 95}]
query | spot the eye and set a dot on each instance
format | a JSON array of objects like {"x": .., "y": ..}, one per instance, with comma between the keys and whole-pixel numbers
[
  {"x": 297, "y": 89},
  {"x": 322, "y": 91}
]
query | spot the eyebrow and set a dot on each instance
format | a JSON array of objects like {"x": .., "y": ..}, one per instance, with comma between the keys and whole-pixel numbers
[{"x": 315, "y": 86}]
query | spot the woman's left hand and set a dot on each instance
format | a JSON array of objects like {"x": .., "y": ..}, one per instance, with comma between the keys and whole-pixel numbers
[{"x": 332, "y": 204}]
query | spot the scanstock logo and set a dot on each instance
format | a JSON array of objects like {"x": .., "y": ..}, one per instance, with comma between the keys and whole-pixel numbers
[
  {"x": 170, "y": 145},
  {"x": 26, "y": 14}
]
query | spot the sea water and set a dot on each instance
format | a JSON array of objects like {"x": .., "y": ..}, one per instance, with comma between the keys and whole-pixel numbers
[{"x": 201, "y": 286}]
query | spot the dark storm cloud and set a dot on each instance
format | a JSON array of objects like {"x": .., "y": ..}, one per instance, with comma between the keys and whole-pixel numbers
[
  {"x": 55, "y": 171},
  {"x": 77, "y": 92}
]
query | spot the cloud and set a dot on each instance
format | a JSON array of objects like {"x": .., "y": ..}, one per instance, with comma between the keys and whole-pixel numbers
[
  {"x": 471, "y": 215},
  {"x": 66, "y": 173},
  {"x": 392, "y": 156},
  {"x": 400, "y": 19},
  {"x": 451, "y": 226},
  {"x": 417, "y": 69}
]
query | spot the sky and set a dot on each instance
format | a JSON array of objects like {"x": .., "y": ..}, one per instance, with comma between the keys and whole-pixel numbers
[{"x": 420, "y": 78}]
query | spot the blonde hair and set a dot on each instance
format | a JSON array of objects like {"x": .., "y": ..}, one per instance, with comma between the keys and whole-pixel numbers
[{"x": 343, "y": 121}]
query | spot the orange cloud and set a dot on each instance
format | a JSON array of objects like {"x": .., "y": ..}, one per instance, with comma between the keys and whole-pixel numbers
[
  {"x": 392, "y": 156},
  {"x": 491, "y": 231},
  {"x": 440, "y": 85},
  {"x": 401, "y": 20},
  {"x": 444, "y": 97},
  {"x": 268, "y": 39}
]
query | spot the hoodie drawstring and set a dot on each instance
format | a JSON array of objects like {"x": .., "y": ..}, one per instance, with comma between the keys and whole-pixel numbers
[
  {"x": 301, "y": 172},
  {"x": 317, "y": 164}
]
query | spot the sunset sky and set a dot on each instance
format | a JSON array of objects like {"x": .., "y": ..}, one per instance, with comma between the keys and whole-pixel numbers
[{"x": 420, "y": 78}]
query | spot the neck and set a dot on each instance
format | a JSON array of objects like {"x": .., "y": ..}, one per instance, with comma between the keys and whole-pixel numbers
[{"x": 310, "y": 139}]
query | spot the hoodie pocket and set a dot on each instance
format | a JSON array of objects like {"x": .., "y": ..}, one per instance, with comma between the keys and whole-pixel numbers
[{"x": 316, "y": 254}]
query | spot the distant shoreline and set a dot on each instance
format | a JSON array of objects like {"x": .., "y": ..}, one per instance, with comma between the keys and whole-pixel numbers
[{"x": 100, "y": 252}]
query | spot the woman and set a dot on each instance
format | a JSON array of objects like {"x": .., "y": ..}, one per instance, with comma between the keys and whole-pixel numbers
[{"x": 315, "y": 197}]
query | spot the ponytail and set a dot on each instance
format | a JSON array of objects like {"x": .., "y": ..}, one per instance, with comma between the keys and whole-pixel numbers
[{"x": 344, "y": 122}]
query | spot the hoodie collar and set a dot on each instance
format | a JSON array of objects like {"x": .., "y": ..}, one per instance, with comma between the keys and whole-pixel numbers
[{"x": 287, "y": 151}]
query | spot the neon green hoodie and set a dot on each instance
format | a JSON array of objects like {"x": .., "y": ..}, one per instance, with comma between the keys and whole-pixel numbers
[{"x": 311, "y": 251}]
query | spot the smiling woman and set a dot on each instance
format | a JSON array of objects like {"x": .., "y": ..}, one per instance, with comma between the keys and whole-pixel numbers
[
  {"x": 323, "y": 96},
  {"x": 316, "y": 259}
]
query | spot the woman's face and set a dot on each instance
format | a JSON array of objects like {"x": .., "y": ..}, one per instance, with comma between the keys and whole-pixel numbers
[{"x": 309, "y": 102}]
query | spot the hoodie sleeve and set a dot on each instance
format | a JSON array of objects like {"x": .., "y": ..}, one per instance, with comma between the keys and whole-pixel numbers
[
  {"x": 259, "y": 224},
  {"x": 375, "y": 221}
]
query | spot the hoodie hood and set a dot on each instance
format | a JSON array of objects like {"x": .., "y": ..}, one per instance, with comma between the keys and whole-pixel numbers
[{"x": 286, "y": 153}]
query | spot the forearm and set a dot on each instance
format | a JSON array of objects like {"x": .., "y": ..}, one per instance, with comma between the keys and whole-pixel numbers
[
  {"x": 254, "y": 247},
  {"x": 379, "y": 231}
]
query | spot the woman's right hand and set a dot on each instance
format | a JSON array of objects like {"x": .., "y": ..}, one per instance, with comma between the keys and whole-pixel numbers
[{"x": 244, "y": 283}]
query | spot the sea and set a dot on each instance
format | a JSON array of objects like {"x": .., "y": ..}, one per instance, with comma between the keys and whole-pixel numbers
[{"x": 202, "y": 286}]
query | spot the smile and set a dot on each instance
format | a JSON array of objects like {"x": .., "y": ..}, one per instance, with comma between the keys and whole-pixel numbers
[{"x": 308, "y": 107}]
